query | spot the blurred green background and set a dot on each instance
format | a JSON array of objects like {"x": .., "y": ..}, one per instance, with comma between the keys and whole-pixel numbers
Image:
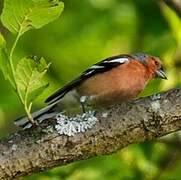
[{"x": 86, "y": 32}]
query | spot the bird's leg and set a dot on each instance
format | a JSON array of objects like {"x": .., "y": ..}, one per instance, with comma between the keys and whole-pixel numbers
[{"x": 83, "y": 100}]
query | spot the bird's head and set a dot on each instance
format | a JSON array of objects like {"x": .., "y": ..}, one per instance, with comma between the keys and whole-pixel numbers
[{"x": 153, "y": 64}]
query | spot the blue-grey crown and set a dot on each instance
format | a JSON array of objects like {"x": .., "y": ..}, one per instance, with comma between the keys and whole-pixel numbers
[{"x": 141, "y": 57}]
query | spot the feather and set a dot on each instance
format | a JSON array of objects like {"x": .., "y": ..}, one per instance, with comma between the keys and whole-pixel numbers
[
  {"x": 40, "y": 115},
  {"x": 100, "y": 67}
]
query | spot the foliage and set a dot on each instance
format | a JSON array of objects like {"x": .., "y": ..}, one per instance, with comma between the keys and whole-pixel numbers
[
  {"x": 18, "y": 17},
  {"x": 89, "y": 31},
  {"x": 4, "y": 63}
]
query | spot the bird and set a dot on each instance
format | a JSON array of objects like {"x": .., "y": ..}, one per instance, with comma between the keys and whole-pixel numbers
[{"x": 111, "y": 81}]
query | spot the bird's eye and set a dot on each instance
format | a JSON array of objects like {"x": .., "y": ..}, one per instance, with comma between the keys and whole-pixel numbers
[{"x": 156, "y": 63}]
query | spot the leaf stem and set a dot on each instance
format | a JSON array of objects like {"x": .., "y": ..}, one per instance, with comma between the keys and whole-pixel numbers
[
  {"x": 11, "y": 55},
  {"x": 28, "y": 112},
  {"x": 24, "y": 102},
  {"x": 12, "y": 66}
]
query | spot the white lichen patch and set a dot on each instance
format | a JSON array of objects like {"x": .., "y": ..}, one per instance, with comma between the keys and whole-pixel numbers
[
  {"x": 105, "y": 115},
  {"x": 166, "y": 101},
  {"x": 48, "y": 130},
  {"x": 156, "y": 97},
  {"x": 155, "y": 106},
  {"x": 14, "y": 147},
  {"x": 72, "y": 125}
]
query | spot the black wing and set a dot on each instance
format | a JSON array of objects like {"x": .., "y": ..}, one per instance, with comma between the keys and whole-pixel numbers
[{"x": 97, "y": 68}]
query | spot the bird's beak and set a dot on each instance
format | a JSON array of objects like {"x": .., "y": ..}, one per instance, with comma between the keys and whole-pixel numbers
[{"x": 160, "y": 73}]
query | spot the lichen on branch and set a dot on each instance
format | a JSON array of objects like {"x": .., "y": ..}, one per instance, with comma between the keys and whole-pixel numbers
[{"x": 41, "y": 148}]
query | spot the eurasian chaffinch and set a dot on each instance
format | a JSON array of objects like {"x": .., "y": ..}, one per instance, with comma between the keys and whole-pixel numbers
[{"x": 110, "y": 81}]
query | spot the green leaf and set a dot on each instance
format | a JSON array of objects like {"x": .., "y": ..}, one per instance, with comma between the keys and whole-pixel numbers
[
  {"x": 19, "y": 16},
  {"x": 2, "y": 41},
  {"x": 29, "y": 77},
  {"x": 4, "y": 61},
  {"x": 36, "y": 92},
  {"x": 3, "y": 57}
]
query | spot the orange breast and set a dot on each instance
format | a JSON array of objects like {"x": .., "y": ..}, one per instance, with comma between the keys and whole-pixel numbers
[{"x": 121, "y": 83}]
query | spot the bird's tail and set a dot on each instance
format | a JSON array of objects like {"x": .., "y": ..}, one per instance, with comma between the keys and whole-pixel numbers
[{"x": 39, "y": 116}]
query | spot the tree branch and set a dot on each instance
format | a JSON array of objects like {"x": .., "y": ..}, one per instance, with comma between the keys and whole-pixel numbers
[
  {"x": 175, "y": 5},
  {"x": 35, "y": 150}
]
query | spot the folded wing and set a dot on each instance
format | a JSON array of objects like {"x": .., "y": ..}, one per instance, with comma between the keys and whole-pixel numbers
[{"x": 100, "y": 67}]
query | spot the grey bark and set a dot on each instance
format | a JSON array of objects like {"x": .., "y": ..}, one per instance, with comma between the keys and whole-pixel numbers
[{"x": 36, "y": 150}]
